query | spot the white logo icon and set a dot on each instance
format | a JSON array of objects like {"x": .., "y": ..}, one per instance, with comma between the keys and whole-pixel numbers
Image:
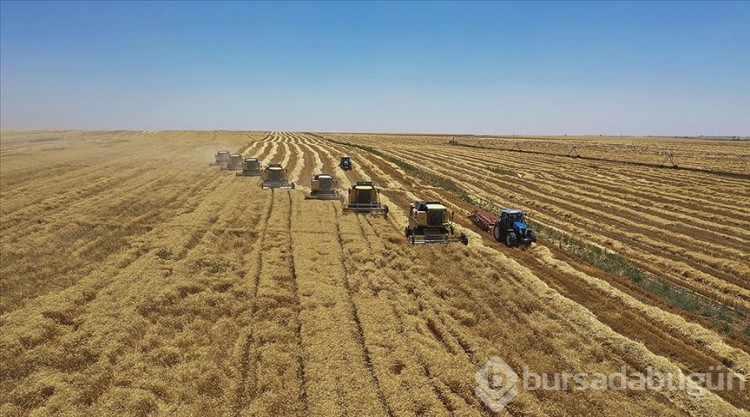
[{"x": 496, "y": 384}]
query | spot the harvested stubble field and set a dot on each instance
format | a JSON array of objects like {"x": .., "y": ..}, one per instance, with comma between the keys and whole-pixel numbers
[{"x": 136, "y": 279}]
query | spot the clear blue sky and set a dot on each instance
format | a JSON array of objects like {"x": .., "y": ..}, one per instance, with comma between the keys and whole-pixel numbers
[{"x": 643, "y": 68}]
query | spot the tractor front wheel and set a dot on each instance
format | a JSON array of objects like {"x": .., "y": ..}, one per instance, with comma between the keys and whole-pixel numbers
[{"x": 511, "y": 239}]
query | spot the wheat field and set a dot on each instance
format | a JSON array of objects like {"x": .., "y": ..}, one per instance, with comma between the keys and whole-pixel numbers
[{"x": 136, "y": 279}]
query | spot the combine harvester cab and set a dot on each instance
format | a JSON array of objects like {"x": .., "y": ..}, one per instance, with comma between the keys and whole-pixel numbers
[
  {"x": 234, "y": 163},
  {"x": 251, "y": 167},
  {"x": 323, "y": 187},
  {"x": 365, "y": 198},
  {"x": 275, "y": 176},
  {"x": 431, "y": 222},
  {"x": 345, "y": 163},
  {"x": 221, "y": 158},
  {"x": 510, "y": 228}
]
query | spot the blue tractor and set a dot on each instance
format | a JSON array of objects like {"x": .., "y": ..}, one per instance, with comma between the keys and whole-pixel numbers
[
  {"x": 346, "y": 163},
  {"x": 511, "y": 228}
]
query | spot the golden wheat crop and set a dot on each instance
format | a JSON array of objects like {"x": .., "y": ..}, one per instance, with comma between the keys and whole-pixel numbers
[{"x": 136, "y": 279}]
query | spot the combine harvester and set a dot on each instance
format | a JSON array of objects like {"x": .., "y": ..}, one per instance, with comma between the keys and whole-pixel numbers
[
  {"x": 250, "y": 168},
  {"x": 509, "y": 228},
  {"x": 222, "y": 157},
  {"x": 324, "y": 188},
  {"x": 365, "y": 198},
  {"x": 234, "y": 163},
  {"x": 275, "y": 176},
  {"x": 431, "y": 222}
]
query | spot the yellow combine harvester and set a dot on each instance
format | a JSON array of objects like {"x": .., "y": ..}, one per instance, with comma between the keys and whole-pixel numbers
[
  {"x": 234, "y": 163},
  {"x": 222, "y": 157},
  {"x": 365, "y": 198},
  {"x": 250, "y": 168},
  {"x": 324, "y": 188},
  {"x": 431, "y": 222},
  {"x": 274, "y": 176}
]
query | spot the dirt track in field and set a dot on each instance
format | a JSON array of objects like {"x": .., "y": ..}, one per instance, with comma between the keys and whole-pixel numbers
[{"x": 138, "y": 279}]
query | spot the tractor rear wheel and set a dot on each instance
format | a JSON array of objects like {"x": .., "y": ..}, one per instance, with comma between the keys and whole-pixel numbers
[{"x": 496, "y": 233}]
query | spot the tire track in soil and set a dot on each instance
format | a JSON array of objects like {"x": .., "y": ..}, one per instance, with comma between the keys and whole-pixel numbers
[
  {"x": 241, "y": 393},
  {"x": 375, "y": 246},
  {"x": 435, "y": 384},
  {"x": 298, "y": 307},
  {"x": 358, "y": 322}
]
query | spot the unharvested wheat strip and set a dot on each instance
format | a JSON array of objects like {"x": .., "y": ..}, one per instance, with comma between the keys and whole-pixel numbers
[{"x": 338, "y": 379}]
